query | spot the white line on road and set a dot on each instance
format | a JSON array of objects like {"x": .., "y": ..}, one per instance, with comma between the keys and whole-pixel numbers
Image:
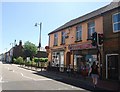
[
  {"x": 42, "y": 79},
  {"x": 0, "y": 78},
  {"x": 2, "y": 81},
  {"x": 35, "y": 79},
  {"x": 27, "y": 77},
  {"x": 8, "y": 68}
]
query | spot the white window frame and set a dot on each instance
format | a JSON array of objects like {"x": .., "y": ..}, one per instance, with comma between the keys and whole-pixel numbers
[
  {"x": 63, "y": 34},
  {"x": 56, "y": 39},
  {"x": 91, "y": 29},
  {"x": 115, "y": 22},
  {"x": 79, "y": 37}
]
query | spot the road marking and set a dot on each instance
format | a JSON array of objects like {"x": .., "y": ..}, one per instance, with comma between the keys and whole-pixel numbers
[
  {"x": 27, "y": 77},
  {"x": 35, "y": 79},
  {"x": 8, "y": 68},
  {"x": 62, "y": 88},
  {"x": 45, "y": 79},
  {"x": 0, "y": 78},
  {"x": 2, "y": 81}
]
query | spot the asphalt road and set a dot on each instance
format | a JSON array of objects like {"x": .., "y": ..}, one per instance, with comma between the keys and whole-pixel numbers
[{"x": 12, "y": 77}]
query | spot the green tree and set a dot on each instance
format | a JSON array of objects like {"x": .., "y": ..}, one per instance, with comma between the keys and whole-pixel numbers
[{"x": 29, "y": 49}]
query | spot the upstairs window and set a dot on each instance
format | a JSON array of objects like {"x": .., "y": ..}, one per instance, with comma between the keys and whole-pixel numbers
[
  {"x": 91, "y": 29},
  {"x": 55, "y": 39},
  {"x": 116, "y": 22},
  {"x": 79, "y": 33},
  {"x": 63, "y": 37}
]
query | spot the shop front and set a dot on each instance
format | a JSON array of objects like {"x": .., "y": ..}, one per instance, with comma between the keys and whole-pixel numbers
[
  {"x": 84, "y": 55},
  {"x": 58, "y": 60}
]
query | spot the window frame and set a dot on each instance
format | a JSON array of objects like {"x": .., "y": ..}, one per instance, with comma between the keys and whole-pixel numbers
[
  {"x": 91, "y": 29},
  {"x": 79, "y": 33},
  {"x": 115, "y": 22},
  {"x": 55, "y": 39},
  {"x": 63, "y": 37}
]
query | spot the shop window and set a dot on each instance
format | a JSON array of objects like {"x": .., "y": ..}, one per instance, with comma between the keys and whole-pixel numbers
[
  {"x": 91, "y": 29},
  {"x": 55, "y": 39},
  {"x": 55, "y": 59},
  {"x": 79, "y": 33},
  {"x": 116, "y": 22}
]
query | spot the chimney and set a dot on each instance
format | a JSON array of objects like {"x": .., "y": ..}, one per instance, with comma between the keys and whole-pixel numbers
[{"x": 20, "y": 43}]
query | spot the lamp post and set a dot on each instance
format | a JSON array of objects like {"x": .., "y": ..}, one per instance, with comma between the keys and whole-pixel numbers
[{"x": 40, "y": 25}]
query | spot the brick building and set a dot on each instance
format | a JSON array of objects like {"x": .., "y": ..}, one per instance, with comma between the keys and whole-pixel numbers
[
  {"x": 111, "y": 47},
  {"x": 18, "y": 50},
  {"x": 69, "y": 45}
]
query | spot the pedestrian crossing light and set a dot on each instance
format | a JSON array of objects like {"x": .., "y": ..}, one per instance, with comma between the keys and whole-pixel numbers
[
  {"x": 100, "y": 37},
  {"x": 94, "y": 39}
]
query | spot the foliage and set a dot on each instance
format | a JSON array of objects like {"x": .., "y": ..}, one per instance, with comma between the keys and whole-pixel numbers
[
  {"x": 27, "y": 63},
  {"x": 36, "y": 60},
  {"x": 43, "y": 59},
  {"x": 29, "y": 49},
  {"x": 15, "y": 61},
  {"x": 20, "y": 60}
]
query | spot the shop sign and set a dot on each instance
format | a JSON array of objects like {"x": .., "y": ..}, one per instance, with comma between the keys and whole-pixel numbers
[{"x": 81, "y": 46}]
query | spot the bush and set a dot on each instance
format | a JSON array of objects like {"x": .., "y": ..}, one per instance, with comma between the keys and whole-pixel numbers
[
  {"x": 36, "y": 60},
  {"x": 15, "y": 61},
  {"x": 20, "y": 61},
  {"x": 27, "y": 63},
  {"x": 43, "y": 61}
]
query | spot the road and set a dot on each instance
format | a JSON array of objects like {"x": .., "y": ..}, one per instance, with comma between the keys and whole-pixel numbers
[{"x": 13, "y": 77}]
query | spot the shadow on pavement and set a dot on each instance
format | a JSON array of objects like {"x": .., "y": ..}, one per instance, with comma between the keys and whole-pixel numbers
[{"x": 69, "y": 80}]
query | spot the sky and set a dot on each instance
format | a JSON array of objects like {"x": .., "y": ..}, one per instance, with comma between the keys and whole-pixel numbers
[{"x": 17, "y": 19}]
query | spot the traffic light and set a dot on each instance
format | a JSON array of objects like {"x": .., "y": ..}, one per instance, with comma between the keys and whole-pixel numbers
[
  {"x": 100, "y": 37},
  {"x": 94, "y": 39}
]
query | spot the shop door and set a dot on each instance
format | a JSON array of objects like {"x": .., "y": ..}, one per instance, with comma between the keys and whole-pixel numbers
[
  {"x": 113, "y": 67},
  {"x": 78, "y": 64},
  {"x": 68, "y": 59}
]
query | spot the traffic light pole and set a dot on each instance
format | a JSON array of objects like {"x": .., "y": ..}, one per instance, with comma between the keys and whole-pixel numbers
[
  {"x": 99, "y": 58},
  {"x": 95, "y": 42}
]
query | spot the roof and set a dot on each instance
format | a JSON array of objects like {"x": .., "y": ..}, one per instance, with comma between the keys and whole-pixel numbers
[{"x": 83, "y": 18}]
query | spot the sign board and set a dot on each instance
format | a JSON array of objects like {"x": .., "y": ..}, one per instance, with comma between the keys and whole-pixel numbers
[{"x": 81, "y": 46}]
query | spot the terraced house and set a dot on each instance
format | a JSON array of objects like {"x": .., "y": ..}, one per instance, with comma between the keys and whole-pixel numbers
[{"x": 70, "y": 44}]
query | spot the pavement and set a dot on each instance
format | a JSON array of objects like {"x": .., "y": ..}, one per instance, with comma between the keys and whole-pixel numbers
[{"x": 79, "y": 81}]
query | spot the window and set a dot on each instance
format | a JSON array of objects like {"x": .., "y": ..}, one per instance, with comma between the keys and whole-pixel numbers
[
  {"x": 116, "y": 22},
  {"x": 91, "y": 29},
  {"x": 63, "y": 38},
  {"x": 55, "y": 39},
  {"x": 79, "y": 33},
  {"x": 49, "y": 40},
  {"x": 55, "y": 59}
]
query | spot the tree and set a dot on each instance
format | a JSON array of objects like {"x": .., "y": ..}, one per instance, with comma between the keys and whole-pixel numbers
[{"x": 29, "y": 49}]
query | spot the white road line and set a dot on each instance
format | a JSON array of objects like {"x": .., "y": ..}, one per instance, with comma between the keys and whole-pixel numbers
[
  {"x": 35, "y": 79},
  {"x": 27, "y": 77},
  {"x": 42, "y": 79},
  {"x": 45, "y": 79},
  {"x": 2, "y": 81},
  {"x": 13, "y": 71},
  {"x": 0, "y": 78},
  {"x": 8, "y": 68}
]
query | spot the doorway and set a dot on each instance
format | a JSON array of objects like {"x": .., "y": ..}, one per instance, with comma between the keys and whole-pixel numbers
[{"x": 112, "y": 66}]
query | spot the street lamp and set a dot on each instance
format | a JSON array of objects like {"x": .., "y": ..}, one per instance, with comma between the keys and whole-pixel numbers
[{"x": 40, "y": 24}]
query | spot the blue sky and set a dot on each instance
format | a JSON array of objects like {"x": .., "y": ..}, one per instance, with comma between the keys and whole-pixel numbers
[{"x": 18, "y": 19}]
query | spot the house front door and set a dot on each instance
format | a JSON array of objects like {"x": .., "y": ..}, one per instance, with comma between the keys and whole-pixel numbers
[{"x": 112, "y": 67}]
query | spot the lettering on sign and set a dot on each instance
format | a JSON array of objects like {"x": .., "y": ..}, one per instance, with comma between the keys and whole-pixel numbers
[{"x": 81, "y": 46}]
